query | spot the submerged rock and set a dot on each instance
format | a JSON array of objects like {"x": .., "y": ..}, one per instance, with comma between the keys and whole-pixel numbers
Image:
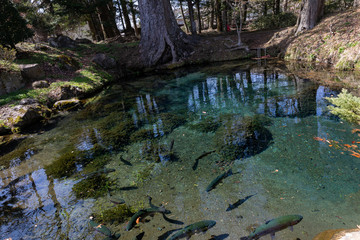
[{"x": 241, "y": 137}]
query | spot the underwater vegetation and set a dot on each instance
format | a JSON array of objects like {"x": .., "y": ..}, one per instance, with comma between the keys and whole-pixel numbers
[
  {"x": 21, "y": 153},
  {"x": 94, "y": 186},
  {"x": 65, "y": 165},
  {"x": 144, "y": 174},
  {"x": 142, "y": 134},
  {"x": 241, "y": 137},
  {"x": 120, "y": 213},
  {"x": 206, "y": 125},
  {"x": 170, "y": 121},
  {"x": 154, "y": 151}
]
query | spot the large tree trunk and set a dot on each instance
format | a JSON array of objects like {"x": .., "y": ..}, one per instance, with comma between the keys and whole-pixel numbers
[
  {"x": 120, "y": 14},
  {"x": 161, "y": 38},
  {"x": 192, "y": 18},
  {"x": 311, "y": 12},
  {"x": 107, "y": 18},
  {"x": 212, "y": 15}
]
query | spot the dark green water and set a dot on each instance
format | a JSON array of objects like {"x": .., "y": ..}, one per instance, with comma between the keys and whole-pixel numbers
[{"x": 271, "y": 128}]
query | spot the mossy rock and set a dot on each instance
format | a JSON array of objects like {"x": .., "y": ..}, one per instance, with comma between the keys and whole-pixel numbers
[
  {"x": 120, "y": 214},
  {"x": 92, "y": 187},
  {"x": 242, "y": 137},
  {"x": 206, "y": 125}
]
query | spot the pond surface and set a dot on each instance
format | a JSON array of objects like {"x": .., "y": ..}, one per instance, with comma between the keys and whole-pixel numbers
[{"x": 168, "y": 137}]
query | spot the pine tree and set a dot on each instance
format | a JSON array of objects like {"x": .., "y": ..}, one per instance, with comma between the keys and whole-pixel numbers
[{"x": 13, "y": 27}]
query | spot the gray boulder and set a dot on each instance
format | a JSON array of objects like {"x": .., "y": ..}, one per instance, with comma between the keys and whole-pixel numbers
[
  {"x": 40, "y": 84},
  {"x": 104, "y": 61},
  {"x": 64, "y": 92},
  {"x": 28, "y": 101},
  {"x": 10, "y": 82},
  {"x": 32, "y": 71},
  {"x": 62, "y": 42}
]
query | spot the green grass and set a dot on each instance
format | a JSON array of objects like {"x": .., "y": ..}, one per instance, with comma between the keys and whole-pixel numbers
[
  {"x": 38, "y": 57},
  {"x": 89, "y": 79}
]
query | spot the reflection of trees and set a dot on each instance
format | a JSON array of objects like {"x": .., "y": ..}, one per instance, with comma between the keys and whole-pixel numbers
[{"x": 262, "y": 91}]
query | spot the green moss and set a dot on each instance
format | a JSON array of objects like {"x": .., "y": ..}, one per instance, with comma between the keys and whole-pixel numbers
[
  {"x": 144, "y": 174},
  {"x": 94, "y": 186},
  {"x": 65, "y": 165},
  {"x": 120, "y": 214},
  {"x": 118, "y": 136},
  {"x": 141, "y": 135},
  {"x": 96, "y": 164},
  {"x": 206, "y": 125},
  {"x": 170, "y": 121}
]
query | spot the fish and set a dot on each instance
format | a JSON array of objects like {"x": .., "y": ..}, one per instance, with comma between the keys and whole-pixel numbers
[
  {"x": 238, "y": 203},
  {"x": 200, "y": 157},
  {"x": 191, "y": 229},
  {"x": 144, "y": 213},
  {"x": 171, "y": 145},
  {"x": 104, "y": 230},
  {"x": 217, "y": 180},
  {"x": 274, "y": 225},
  {"x": 125, "y": 161}
]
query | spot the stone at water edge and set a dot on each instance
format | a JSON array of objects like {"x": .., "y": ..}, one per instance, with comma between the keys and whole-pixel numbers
[{"x": 339, "y": 234}]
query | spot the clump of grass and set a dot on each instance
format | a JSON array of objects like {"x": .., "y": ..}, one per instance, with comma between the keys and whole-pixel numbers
[
  {"x": 119, "y": 214},
  {"x": 347, "y": 106}
]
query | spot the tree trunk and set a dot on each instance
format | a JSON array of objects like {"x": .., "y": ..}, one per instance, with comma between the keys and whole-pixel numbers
[
  {"x": 218, "y": 16},
  {"x": 197, "y": 2},
  {"x": 285, "y": 5},
  {"x": 245, "y": 11},
  {"x": 120, "y": 14},
  {"x": 192, "y": 18},
  {"x": 161, "y": 38},
  {"x": 277, "y": 7},
  {"x": 128, "y": 29},
  {"x": 133, "y": 13},
  {"x": 95, "y": 28},
  {"x": 183, "y": 16},
  {"x": 212, "y": 15},
  {"x": 107, "y": 19},
  {"x": 311, "y": 12}
]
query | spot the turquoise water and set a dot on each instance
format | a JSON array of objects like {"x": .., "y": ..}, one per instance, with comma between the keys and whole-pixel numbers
[{"x": 270, "y": 127}]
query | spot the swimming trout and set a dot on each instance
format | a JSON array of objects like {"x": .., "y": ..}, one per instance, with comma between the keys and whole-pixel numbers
[
  {"x": 190, "y": 230},
  {"x": 274, "y": 225},
  {"x": 217, "y": 180},
  {"x": 144, "y": 213}
]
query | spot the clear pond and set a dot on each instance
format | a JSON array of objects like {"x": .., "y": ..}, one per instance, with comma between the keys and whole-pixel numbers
[{"x": 169, "y": 137}]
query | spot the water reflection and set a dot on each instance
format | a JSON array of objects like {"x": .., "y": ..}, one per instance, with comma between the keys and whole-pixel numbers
[{"x": 150, "y": 139}]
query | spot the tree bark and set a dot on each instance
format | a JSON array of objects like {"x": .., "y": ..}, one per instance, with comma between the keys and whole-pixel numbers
[
  {"x": 277, "y": 7},
  {"x": 219, "y": 22},
  {"x": 107, "y": 19},
  {"x": 197, "y": 2},
  {"x": 192, "y": 18},
  {"x": 311, "y": 12},
  {"x": 161, "y": 38},
  {"x": 120, "y": 14},
  {"x": 212, "y": 15}
]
